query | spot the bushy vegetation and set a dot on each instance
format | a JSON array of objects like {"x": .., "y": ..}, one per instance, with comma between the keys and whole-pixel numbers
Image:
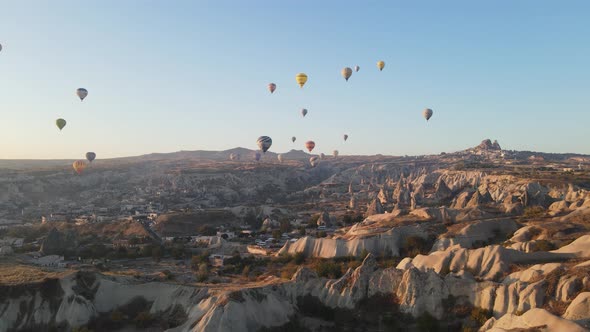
[
  {"x": 533, "y": 212},
  {"x": 415, "y": 245},
  {"x": 328, "y": 269}
]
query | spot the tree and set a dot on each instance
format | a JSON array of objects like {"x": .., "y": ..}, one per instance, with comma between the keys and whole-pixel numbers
[
  {"x": 276, "y": 233},
  {"x": 157, "y": 254},
  {"x": 207, "y": 230},
  {"x": 203, "y": 272}
]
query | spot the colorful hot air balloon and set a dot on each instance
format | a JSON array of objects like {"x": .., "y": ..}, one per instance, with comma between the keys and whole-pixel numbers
[
  {"x": 293, "y": 139},
  {"x": 264, "y": 143},
  {"x": 427, "y": 113},
  {"x": 309, "y": 145},
  {"x": 90, "y": 156},
  {"x": 82, "y": 93},
  {"x": 280, "y": 157},
  {"x": 79, "y": 166},
  {"x": 303, "y": 112},
  {"x": 345, "y": 137},
  {"x": 335, "y": 153},
  {"x": 357, "y": 68},
  {"x": 380, "y": 65},
  {"x": 257, "y": 156},
  {"x": 60, "y": 123},
  {"x": 301, "y": 78},
  {"x": 272, "y": 87},
  {"x": 314, "y": 161},
  {"x": 346, "y": 73}
]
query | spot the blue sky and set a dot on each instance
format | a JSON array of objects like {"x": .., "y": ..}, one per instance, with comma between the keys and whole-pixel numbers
[{"x": 165, "y": 76}]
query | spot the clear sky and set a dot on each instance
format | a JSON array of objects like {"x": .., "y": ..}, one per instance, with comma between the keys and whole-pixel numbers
[{"x": 172, "y": 75}]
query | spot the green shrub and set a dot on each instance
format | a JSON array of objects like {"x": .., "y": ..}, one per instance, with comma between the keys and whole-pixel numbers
[{"x": 329, "y": 269}]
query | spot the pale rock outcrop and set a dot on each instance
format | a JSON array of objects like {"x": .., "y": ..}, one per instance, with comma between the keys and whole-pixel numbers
[
  {"x": 579, "y": 248},
  {"x": 534, "y": 318},
  {"x": 534, "y": 272},
  {"x": 477, "y": 232},
  {"x": 567, "y": 286},
  {"x": 579, "y": 310},
  {"x": 422, "y": 292},
  {"x": 374, "y": 208},
  {"x": 442, "y": 190},
  {"x": 460, "y": 201},
  {"x": 557, "y": 208},
  {"x": 388, "y": 243}
]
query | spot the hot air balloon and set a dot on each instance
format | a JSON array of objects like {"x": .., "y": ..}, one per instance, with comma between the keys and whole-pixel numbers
[
  {"x": 314, "y": 161},
  {"x": 90, "y": 156},
  {"x": 264, "y": 143},
  {"x": 322, "y": 156},
  {"x": 60, "y": 123},
  {"x": 280, "y": 157},
  {"x": 345, "y": 137},
  {"x": 380, "y": 65},
  {"x": 0, "y": 47},
  {"x": 272, "y": 87},
  {"x": 357, "y": 68},
  {"x": 335, "y": 153},
  {"x": 346, "y": 73},
  {"x": 301, "y": 78},
  {"x": 293, "y": 139},
  {"x": 309, "y": 145},
  {"x": 79, "y": 166},
  {"x": 303, "y": 112},
  {"x": 427, "y": 113},
  {"x": 232, "y": 156},
  {"x": 82, "y": 93},
  {"x": 257, "y": 156}
]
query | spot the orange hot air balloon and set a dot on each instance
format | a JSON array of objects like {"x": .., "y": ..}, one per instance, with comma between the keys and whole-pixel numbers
[
  {"x": 309, "y": 145},
  {"x": 79, "y": 166}
]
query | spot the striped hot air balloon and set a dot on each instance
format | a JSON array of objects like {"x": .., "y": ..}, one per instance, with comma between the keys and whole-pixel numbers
[
  {"x": 264, "y": 143},
  {"x": 301, "y": 78},
  {"x": 272, "y": 87},
  {"x": 79, "y": 166}
]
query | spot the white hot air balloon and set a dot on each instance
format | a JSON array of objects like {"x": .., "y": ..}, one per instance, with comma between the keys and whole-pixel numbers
[{"x": 357, "y": 68}]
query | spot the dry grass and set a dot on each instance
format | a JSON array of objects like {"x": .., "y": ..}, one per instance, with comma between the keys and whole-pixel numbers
[{"x": 15, "y": 274}]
